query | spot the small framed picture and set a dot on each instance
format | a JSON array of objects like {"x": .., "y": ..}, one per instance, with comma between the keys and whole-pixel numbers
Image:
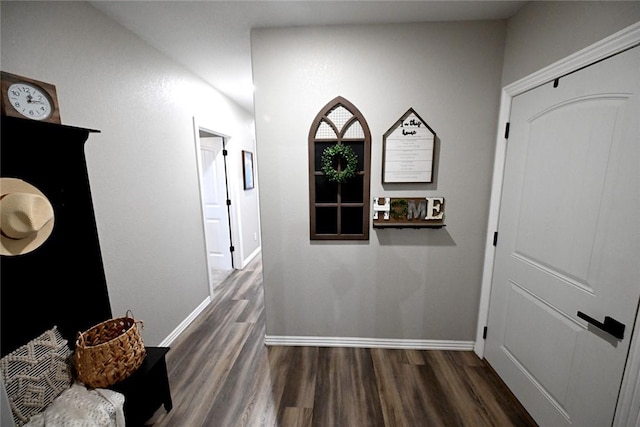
[{"x": 247, "y": 169}]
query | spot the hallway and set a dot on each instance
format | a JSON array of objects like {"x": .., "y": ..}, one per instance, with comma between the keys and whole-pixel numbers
[{"x": 222, "y": 374}]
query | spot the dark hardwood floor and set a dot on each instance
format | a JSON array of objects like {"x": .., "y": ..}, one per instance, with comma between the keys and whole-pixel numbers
[{"x": 222, "y": 374}]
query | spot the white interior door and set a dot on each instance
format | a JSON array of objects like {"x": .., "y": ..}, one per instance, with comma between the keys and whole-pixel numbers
[
  {"x": 214, "y": 199},
  {"x": 569, "y": 242}
]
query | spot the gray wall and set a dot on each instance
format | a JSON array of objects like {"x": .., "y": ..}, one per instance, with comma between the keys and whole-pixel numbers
[
  {"x": 543, "y": 32},
  {"x": 401, "y": 284},
  {"x": 142, "y": 166}
]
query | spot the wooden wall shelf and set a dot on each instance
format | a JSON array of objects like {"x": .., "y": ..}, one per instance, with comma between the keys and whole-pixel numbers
[
  {"x": 408, "y": 224},
  {"x": 408, "y": 212}
]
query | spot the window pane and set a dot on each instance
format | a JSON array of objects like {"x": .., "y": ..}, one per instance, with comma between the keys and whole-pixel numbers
[
  {"x": 352, "y": 190},
  {"x": 318, "y": 149},
  {"x": 326, "y": 191},
  {"x": 325, "y": 131},
  {"x": 326, "y": 220},
  {"x": 352, "y": 220},
  {"x": 354, "y": 131}
]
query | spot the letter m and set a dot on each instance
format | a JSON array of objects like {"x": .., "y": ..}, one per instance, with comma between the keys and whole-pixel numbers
[{"x": 416, "y": 212}]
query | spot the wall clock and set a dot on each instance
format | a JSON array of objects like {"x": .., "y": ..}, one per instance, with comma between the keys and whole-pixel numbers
[{"x": 28, "y": 98}]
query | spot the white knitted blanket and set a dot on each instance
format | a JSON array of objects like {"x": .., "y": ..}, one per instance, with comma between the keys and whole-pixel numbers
[{"x": 81, "y": 407}]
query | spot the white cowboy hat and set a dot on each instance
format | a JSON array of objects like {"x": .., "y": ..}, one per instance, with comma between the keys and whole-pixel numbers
[{"x": 26, "y": 217}]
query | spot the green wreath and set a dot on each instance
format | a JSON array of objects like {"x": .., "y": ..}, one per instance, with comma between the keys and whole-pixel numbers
[
  {"x": 399, "y": 208},
  {"x": 345, "y": 152}
]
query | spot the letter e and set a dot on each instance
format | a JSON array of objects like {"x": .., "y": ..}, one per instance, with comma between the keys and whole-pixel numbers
[{"x": 434, "y": 208}]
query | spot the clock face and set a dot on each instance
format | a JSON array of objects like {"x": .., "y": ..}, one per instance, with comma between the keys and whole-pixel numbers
[{"x": 29, "y": 101}]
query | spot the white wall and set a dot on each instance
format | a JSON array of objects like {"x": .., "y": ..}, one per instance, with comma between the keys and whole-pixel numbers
[
  {"x": 142, "y": 166},
  {"x": 544, "y": 32},
  {"x": 401, "y": 284}
]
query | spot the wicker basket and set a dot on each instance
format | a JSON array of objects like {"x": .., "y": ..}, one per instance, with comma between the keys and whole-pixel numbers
[{"x": 109, "y": 352}]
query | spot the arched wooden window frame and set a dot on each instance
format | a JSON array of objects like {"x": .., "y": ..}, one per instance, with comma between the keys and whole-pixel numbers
[{"x": 341, "y": 204}]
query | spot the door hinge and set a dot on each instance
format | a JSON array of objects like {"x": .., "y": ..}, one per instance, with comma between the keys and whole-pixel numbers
[
  {"x": 224, "y": 152},
  {"x": 484, "y": 333},
  {"x": 232, "y": 249},
  {"x": 495, "y": 238},
  {"x": 228, "y": 202},
  {"x": 506, "y": 130}
]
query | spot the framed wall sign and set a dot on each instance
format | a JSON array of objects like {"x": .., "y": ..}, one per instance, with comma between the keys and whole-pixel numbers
[
  {"x": 408, "y": 149},
  {"x": 247, "y": 169}
]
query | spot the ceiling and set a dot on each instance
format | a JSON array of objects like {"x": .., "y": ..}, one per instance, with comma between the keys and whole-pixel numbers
[{"x": 212, "y": 38}]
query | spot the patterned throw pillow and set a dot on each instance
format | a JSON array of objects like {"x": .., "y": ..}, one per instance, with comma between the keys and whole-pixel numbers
[{"x": 35, "y": 374}]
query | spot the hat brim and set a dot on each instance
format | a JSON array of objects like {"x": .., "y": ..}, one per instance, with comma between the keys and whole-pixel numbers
[{"x": 12, "y": 247}]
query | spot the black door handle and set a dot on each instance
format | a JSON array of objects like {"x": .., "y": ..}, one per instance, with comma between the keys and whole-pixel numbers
[{"x": 610, "y": 325}]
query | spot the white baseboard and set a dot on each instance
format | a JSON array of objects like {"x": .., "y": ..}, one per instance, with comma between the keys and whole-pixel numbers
[
  {"x": 405, "y": 344},
  {"x": 186, "y": 322},
  {"x": 250, "y": 258}
]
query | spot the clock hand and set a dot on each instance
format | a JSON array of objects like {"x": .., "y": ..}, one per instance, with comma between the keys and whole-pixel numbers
[{"x": 32, "y": 100}]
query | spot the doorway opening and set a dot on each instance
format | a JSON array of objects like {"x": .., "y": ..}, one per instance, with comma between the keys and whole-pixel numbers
[{"x": 214, "y": 196}]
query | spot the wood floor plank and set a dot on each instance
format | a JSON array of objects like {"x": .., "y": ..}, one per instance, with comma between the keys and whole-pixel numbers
[
  {"x": 222, "y": 375},
  {"x": 363, "y": 388},
  {"x": 389, "y": 382},
  {"x": 197, "y": 389},
  {"x": 439, "y": 409},
  {"x": 502, "y": 396},
  {"x": 328, "y": 394},
  {"x": 455, "y": 388},
  {"x": 235, "y": 395},
  {"x": 410, "y": 394},
  {"x": 346, "y": 392},
  {"x": 268, "y": 398},
  {"x": 297, "y": 417},
  {"x": 300, "y": 382}
]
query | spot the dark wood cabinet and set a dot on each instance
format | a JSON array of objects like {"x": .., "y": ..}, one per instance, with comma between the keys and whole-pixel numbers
[
  {"x": 62, "y": 282},
  {"x": 147, "y": 388}
]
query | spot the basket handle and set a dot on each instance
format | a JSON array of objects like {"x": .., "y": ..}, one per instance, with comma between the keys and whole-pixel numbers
[
  {"x": 80, "y": 338},
  {"x": 131, "y": 317}
]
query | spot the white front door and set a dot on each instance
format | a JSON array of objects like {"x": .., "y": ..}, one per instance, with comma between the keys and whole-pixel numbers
[
  {"x": 214, "y": 199},
  {"x": 569, "y": 242}
]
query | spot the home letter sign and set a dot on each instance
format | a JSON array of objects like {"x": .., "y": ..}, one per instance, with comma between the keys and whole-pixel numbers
[{"x": 410, "y": 212}]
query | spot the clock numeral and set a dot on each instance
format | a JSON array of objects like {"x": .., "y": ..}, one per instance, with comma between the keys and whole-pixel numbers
[{"x": 16, "y": 104}]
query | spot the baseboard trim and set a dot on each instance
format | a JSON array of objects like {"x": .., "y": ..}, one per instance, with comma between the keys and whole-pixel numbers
[
  {"x": 277, "y": 340},
  {"x": 251, "y": 257},
  {"x": 186, "y": 322}
]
